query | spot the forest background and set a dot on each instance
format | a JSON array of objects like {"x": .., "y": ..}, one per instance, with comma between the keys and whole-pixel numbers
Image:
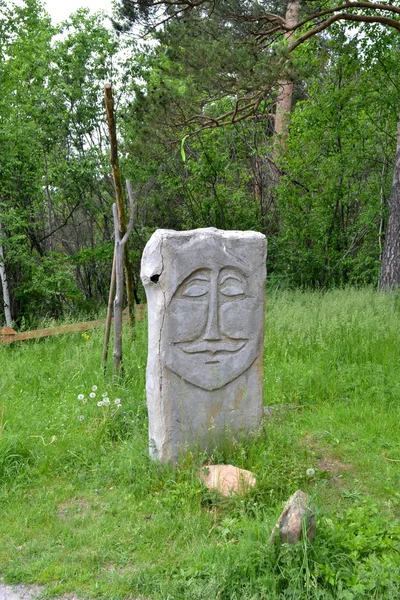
[{"x": 198, "y": 88}]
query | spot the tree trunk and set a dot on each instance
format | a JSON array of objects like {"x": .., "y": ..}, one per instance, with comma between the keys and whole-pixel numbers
[
  {"x": 4, "y": 283},
  {"x": 282, "y": 115},
  {"x": 390, "y": 269},
  {"x": 48, "y": 202},
  {"x": 266, "y": 170},
  {"x": 285, "y": 93},
  {"x": 130, "y": 292}
]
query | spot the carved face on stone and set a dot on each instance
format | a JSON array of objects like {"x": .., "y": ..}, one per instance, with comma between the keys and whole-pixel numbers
[{"x": 213, "y": 323}]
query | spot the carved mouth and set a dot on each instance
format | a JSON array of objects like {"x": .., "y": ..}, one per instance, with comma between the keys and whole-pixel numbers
[{"x": 218, "y": 347}]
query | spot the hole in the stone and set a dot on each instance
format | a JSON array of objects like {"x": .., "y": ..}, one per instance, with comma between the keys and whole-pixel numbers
[{"x": 154, "y": 278}]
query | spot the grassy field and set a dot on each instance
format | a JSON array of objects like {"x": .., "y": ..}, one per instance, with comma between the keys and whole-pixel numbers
[{"x": 84, "y": 510}]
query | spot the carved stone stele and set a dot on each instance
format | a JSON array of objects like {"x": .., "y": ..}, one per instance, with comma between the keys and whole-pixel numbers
[{"x": 206, "y": 299}]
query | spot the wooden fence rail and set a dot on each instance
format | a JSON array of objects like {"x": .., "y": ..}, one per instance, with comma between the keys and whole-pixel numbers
[{"x": 8, "y": 335}]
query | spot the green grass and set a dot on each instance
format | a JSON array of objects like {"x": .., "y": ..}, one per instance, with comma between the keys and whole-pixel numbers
[{"x": 84, "y": 510}]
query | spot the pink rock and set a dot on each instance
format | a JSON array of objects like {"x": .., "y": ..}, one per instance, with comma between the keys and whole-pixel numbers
[{"x": 227, "y": 479}]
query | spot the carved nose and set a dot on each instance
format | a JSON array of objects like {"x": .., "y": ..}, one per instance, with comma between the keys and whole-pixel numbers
[{"x": 212, "y": 328}]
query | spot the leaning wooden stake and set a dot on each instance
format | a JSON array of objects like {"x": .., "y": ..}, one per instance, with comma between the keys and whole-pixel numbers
[
  {"x": 110, "y": 307},
  {"x": 112, "y": 128},
  {"x": 120, "y": 244}
]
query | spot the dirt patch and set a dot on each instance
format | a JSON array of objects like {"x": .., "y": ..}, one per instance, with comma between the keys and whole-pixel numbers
[
  {"x": 19, "y": 592},
  {"x": 34, "y": 592},
  {"x": 124, "y": 571},
  {"x": 73, "y": 508},
  {"x": 332, "y": 466}
]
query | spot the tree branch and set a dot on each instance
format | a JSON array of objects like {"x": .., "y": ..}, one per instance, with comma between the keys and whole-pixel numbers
[
  {"x": 274, "y": 26},
  {"x": 343, "y": 17},
  {"x": 345, "y": 6},
  {"x": 60, "y": 226}
]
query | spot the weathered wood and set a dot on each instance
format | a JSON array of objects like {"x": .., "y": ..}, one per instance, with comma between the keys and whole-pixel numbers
[
  {"x": 40, "y": 333},
  {"x": 7, "y": 331},
  {"x": 119, "y": 293},
  {"x": 120, "y": 245},
  {"x": 119, "y": 196},
  {"x": 73, "y": 328},
  {"x": 109, "y": 317},
  {"x": 130, "y": 284}
]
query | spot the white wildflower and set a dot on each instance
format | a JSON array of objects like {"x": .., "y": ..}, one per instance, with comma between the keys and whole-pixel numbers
[
  {"x": 117, "y": 401},
  {"x": 106, "y": 401},
  {"x": 100, "y": 403},
  {"x": 310, "y": 472},
  {"x": 81, "y": 418},
  {"x": 104, "y": 394},
  {"x": 92, "y": 395},
  {"x": 94, "y": 388},
  {"x": 81, "y": 397}
]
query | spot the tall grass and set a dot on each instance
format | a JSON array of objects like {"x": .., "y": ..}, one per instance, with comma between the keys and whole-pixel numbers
[{"x": 84, "y": 510}]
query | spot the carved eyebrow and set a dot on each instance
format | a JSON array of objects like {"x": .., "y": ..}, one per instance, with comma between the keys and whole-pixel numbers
[
  {"x": 197, "y": 276},
  {"x": 231, "y": 276}
]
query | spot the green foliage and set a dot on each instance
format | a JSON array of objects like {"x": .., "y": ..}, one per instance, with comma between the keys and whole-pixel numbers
[
  {"x": 339, "y": 170},
  {"x": 55, "y": 197},
  {"x": 326, "y": 219}
]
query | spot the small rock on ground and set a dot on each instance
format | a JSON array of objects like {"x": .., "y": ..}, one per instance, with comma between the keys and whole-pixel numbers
[
  {"x": 296, "y": 515},
  {"x": 227, "y": 479}
]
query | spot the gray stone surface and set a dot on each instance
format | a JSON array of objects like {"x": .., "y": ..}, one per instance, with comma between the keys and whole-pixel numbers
[{"x": 206, "y": 298}]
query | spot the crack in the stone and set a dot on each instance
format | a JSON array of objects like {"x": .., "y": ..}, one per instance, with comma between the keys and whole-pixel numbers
[{"x": 236, "y": 257}]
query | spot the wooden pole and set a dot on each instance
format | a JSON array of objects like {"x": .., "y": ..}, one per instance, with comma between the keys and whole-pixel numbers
[
  {"x": 112, "y": 128},
  {"x": 120, "y": 244},
  {"x": 110, "y": 306},
  {"x": 119, "y": 291}
]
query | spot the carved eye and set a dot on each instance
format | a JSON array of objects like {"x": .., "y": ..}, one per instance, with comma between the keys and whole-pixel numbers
[
  {"x": 232, "y": 286},
  {"x": 196, "y": 288}
]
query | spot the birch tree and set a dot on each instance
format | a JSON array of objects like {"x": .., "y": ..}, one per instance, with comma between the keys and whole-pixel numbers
[{"x": 4, "y": 283}]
